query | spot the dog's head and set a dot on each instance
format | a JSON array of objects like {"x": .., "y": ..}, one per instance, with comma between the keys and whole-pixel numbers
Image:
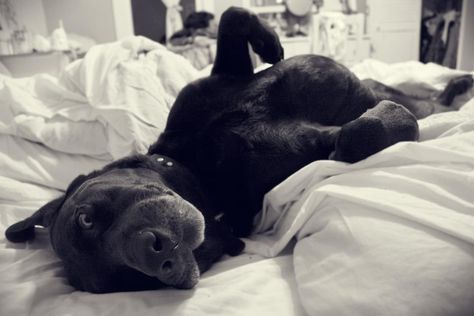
[{"x": 121, "y": 228}]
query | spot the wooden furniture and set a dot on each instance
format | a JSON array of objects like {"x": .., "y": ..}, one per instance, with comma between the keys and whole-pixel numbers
[{"x": 342, "y": 37}]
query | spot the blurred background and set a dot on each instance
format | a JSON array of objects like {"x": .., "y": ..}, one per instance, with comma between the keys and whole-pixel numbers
[{"x": 45, "y": 35}]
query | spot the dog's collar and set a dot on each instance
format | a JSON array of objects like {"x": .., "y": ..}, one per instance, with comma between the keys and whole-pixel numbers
[
  {"x": 178, "y": 178},
  {"x": 162, "y": 160}
]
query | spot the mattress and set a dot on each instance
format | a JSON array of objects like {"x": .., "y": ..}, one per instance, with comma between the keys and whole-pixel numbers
[{"x": 390, "y": 235}]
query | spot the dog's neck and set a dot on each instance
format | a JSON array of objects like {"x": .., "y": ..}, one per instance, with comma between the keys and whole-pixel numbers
[{"x": 178, "y": 178}]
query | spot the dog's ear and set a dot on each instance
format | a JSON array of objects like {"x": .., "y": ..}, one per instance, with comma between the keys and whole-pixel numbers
[{"x": 25, "y": 230}]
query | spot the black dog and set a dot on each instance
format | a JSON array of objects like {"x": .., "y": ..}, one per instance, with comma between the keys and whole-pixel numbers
[
  {"x": 241, "y": 134},
  {"x": 149, "y": 220}
]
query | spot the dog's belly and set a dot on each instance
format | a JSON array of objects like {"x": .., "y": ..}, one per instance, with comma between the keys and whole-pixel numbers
[
  {"x": 241, "y": 137},
  {"x": 307, "y": 87},
  {"x": 317, "y": 89}
]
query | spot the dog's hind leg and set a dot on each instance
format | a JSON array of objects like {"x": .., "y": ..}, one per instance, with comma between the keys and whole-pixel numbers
[
  {"x": 238, "y": 28},
  {"x": 419, "y": 107},
  {"x": 422, "y": 107}
]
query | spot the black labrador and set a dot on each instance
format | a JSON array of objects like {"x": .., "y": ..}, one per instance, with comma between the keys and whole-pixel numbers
[{"x": 161, "y": 219}]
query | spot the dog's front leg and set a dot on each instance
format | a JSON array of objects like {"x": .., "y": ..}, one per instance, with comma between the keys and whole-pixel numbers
[
  {"x": 219, "y": 241},
  {"x": 237, "y": 28}
]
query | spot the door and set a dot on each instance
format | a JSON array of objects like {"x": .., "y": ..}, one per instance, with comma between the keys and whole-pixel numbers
[
  {"x": 149, "y": 19},
  {"x": 394, "y": 27}
]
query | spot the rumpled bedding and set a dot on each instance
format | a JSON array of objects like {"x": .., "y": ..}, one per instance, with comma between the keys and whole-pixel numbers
[
  {"x": 107, "y": 105},
  {"x": 112, "y": 103},
  {"x": 390, "y": 235}
]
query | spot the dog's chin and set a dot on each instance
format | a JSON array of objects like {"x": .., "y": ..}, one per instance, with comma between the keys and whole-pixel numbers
[
  {"x": 135, "y": 280},
  {"x": 187, "y": 280},
  {"x": 185, "y": 277}
]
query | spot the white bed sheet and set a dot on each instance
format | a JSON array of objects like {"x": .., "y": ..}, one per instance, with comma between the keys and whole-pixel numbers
[
  {"x": 362, "y": 245},
  {"x": 390, "y": 235}
]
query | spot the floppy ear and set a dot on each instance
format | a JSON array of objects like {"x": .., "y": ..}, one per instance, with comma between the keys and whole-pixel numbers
[{"x": 25, "y": 229}]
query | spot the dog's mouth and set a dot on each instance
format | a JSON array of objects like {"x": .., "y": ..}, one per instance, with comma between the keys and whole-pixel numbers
[
  {"x": 162, "y": 246},
  {"x": 186, "y": 280}
]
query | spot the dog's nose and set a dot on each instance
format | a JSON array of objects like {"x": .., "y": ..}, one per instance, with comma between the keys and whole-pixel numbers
[
  {"x": 157, "y": 241},
  {"x": 159, "y": 253},
  {"x": 161, "y": 248}
]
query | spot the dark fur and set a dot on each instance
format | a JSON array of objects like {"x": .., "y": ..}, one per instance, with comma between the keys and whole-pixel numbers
[
  {"x": 232, "y": 137},
  {"x": 127, "y": 200},
  {"x": 241, "y": 134}
]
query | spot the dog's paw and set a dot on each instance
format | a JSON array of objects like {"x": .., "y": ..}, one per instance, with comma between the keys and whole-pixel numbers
[
  {"x": 266, "y": 43},
  {"x": 234, "y": 247},
  {"x": 455, "y": 87},
  {"x": 461, "y": 84}
]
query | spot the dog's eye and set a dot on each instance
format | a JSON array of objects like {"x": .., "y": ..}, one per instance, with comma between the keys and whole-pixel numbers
[{"x": 85, "y": 221}]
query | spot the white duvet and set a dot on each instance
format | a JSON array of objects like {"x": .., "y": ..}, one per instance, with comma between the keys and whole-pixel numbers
[
  {"x": 390, "y": 235},
  {"x": 107, "y": 105}
]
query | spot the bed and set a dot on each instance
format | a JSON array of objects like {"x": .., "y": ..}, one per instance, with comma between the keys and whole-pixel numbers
[{"x": 390, "y": 235}]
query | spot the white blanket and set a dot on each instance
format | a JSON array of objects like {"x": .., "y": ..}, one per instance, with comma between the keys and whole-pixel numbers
[
  {"x": 112, "y": 103},
  {"x": 391, "y": 235}
]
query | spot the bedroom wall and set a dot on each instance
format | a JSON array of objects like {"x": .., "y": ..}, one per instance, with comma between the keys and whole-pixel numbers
[
  {"x": 104, "y": 20},
  {"x": 123, "y": 18},
  {"x": 30, "y": 13},
  {"x": 91, "y": 18}
]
